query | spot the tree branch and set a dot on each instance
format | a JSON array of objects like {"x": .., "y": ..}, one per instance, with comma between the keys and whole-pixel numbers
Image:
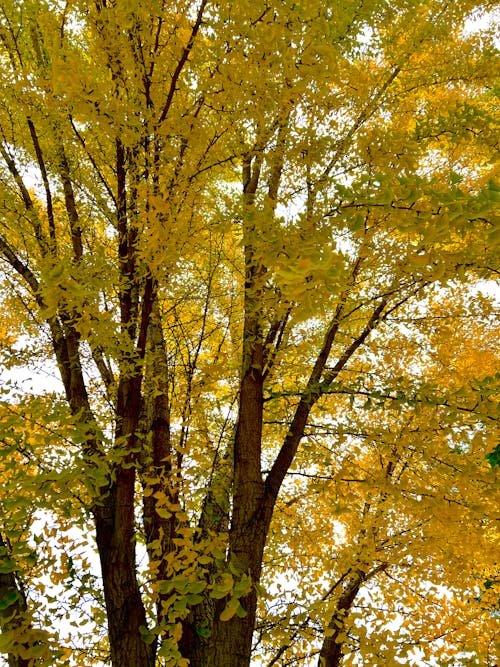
[{"x": 182, "y": 61}]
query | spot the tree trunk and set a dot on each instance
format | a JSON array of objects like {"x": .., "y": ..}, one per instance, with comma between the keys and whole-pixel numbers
[
  {"x": 230, "y": 642},
  {"x": 232, "y": 639},
  {"x": 113, "y": 510},
  {"x": 196, "y": 640},
  {"x": 12, "y": 617},
  {"x": 231, "y": 645},
  {"x": 124, "y": 607}
]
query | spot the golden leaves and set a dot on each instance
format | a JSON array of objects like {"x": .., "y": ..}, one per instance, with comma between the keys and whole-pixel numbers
[{"x": 346, "y": 248}]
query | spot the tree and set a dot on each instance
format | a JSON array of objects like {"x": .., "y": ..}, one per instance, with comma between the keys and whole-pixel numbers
[{"x": 244, "y": 234}]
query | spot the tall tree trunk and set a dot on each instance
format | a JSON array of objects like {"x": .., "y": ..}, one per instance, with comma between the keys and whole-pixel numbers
[
  {"x": 197, "y": 639},
  {"x": 252, "y": 508},
  {"x": 113, "y": 511},
  {"x": 125, "y": 610},
  {"x": 232, "y": 639}
]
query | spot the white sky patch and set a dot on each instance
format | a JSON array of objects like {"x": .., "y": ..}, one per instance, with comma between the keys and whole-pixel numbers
[{"x": 481, "y": 20}]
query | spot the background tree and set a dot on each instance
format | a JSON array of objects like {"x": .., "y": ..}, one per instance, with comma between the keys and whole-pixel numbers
[
  {"x": 408, "y": 497},
  {"x": 247, "y": 235}
]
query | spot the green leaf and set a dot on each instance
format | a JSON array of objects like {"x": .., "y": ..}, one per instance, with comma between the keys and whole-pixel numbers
[
  {"x": 202, "y": 631},
  {"x": 8, "y": 565},
  {"x": 243, "y": 586},
  {"x": 9, "y": 599},
  {"x": 223, "y": 586},
  {"x": 494, "y": 457}
]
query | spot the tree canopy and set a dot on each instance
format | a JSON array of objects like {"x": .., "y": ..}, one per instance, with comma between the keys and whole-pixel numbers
[{"x": 256, "y": 246}]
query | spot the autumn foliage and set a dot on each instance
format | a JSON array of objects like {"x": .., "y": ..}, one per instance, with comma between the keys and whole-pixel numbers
[{"x": 249, "y": 267}]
